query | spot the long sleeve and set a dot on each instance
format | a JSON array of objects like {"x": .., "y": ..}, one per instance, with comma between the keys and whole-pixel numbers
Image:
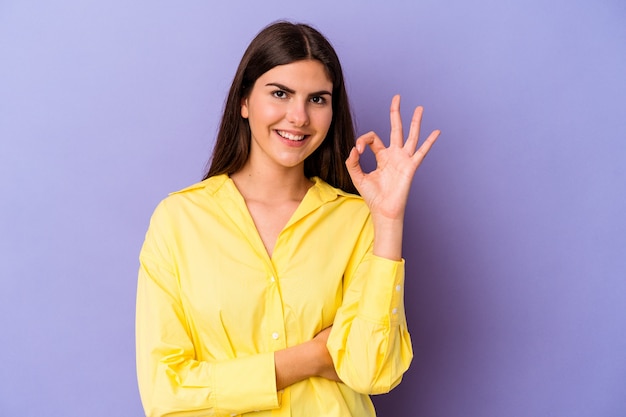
[
  {"x": 172, "y": 381},
  {"x": 369, "y": 343},
  {"x": 213, "y": 307}
]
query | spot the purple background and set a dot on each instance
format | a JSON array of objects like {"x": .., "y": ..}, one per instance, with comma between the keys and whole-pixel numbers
[{"x": 516, "y": 227}]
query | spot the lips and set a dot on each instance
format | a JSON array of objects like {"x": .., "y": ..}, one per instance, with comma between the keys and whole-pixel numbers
[{"x": 291, "y": 136}]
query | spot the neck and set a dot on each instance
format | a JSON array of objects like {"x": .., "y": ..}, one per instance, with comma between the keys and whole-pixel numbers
[{"x": 277, "y": 185}]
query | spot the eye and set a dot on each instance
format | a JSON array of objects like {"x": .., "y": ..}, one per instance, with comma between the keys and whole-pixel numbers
[
  {"x": 318, "y": 100},
  {"x": 279, "y": 94}
]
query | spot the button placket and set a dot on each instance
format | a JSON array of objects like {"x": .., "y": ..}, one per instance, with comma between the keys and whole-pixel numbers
[{"x": 275, "y": 317}]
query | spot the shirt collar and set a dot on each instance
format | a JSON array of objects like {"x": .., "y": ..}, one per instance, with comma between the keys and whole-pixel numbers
[{"x": 320, "y": 191}]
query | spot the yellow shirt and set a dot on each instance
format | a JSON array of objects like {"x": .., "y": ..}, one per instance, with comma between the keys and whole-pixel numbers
[{"x": 212, "y": 306}]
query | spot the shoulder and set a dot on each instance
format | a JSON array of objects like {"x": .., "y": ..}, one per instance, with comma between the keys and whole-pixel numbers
[
  {"x": 339, "y": 198},
  {"x": 188, "y": 199},
  {"x": 200, "y": 191},
  {"x": 331, "y": 193},
  {"x": 210, "y": 185}
]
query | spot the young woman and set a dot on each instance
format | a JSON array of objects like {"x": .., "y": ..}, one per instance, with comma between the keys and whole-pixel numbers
[{"x": 272, "y": 287}]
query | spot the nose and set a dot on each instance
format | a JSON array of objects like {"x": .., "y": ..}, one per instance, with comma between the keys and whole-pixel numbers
[{"x": 297, "y": 113}]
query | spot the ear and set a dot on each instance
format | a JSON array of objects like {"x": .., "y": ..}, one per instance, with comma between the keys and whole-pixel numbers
[{"x": 244, "y": 108}]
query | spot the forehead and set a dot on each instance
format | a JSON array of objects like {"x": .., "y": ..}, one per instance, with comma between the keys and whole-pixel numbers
[{"x": 305, "y": 75}]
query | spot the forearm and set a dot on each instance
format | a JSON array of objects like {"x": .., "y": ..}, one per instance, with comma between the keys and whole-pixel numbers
[
  {"x": 304, "y": 361},
  {"x": 388, "y": 237},
  {"x": 370, "y": 344},
  {"x": 172, "y": 386},
  {"x": 293, "y": 364},
  {"x": 170, "y": 376}
]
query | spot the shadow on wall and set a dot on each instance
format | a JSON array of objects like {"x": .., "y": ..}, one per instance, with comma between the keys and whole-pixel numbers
[
  {"x": 437, "y": 313},
  {"x": 438, "y": 309}
]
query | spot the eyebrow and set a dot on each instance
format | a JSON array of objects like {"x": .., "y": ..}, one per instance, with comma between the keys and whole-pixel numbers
[{"x": 291, "y": 91}]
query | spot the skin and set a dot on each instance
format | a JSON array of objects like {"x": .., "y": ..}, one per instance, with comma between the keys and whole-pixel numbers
[
  {"x": 293, "y": 100},
  {"x": 386, "y": 189}
]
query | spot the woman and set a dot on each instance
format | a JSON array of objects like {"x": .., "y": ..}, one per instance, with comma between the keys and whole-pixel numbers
[{"x": 271, "y": 287}]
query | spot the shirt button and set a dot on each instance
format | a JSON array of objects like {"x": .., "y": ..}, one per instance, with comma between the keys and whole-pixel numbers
[
  {"x": 398, "y": 287},
  {"x": 272, "y": 279},
  {"x": 394, "y": 311},
  {"x": 275, "y": 335}
]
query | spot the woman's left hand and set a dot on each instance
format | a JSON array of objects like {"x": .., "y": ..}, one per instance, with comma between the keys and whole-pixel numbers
[{"x": 386, "y": 189}]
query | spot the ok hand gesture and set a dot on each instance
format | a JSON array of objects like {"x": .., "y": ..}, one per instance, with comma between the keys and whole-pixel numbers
[{"x": 386, "y": 189}]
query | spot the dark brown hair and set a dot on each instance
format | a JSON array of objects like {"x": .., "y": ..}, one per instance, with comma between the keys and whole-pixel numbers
[{"x": 282, "y": 43}]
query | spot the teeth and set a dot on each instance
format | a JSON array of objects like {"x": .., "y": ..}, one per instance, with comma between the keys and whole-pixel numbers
[{"x": 289, "y": 136}]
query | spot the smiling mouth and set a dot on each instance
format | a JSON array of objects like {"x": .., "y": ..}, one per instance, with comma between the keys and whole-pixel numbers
[{"x": 290, "y": 136}]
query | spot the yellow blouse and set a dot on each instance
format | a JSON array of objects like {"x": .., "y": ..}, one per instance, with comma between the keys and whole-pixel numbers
[{"x": 212, "y": 306}]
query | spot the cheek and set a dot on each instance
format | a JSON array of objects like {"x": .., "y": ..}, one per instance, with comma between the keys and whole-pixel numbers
[
  {"x": 325, "y": 119},
  {"x": 265, "y": 113}
]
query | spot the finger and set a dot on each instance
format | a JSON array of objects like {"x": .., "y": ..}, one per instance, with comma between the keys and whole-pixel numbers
[
  {"x": 397, "y": 135},
  {"x": 414, "y": 130},
  {"x": 354, "y": 167},
  {"x": 423, "y": 150},
  {"x": 370, "y": 139}
]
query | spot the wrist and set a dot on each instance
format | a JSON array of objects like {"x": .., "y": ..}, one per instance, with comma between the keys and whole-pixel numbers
[
  {"x": 295, "y": 364},
  {"x": 388, "y": 237},
  {"x": 312, "y": 356}
]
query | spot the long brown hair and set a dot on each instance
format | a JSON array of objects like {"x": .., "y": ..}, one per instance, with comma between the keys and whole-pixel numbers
[{"x": 282, "y": 43}]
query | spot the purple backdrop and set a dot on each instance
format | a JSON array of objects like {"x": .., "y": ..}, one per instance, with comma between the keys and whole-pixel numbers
[{"x": 516, "y": 230}]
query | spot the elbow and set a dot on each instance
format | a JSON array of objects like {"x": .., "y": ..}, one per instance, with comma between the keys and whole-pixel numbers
[
  {"x": 378, "y": 377},
  {"x": 374, "y": 385},
  {"x": 376, "y": 372},
  {"x": 371, "y": 359},
  {"x": 165, "y": 396}
]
